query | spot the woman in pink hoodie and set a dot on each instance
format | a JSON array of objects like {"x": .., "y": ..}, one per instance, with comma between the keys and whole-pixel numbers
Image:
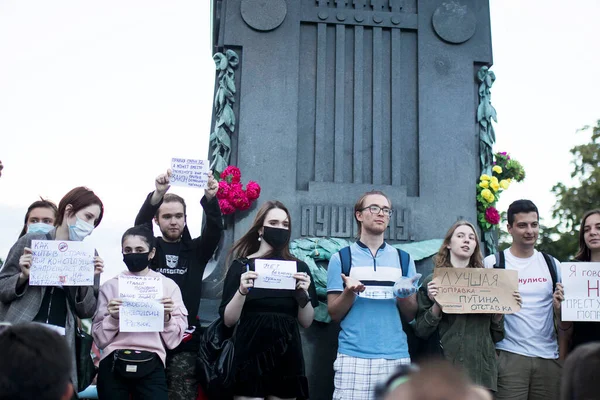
[{"x": 133, "y": 363}]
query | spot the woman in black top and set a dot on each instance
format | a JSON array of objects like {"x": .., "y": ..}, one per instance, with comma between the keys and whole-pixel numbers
[
  {"x": 268, "y": 349},
  {"x": 589, "y": 251}
]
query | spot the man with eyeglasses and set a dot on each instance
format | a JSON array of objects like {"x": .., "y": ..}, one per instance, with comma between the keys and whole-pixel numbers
[{"x": 360, "y": 295}]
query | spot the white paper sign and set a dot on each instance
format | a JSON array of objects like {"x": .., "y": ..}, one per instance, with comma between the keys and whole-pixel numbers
[
  {"x": 141, "y": 310},
  {"x": 275, "y": 274},
  {"x": 190, "y": 173},
  {"x": 581, "y": 281},
  {"x": 61, "y": 263}
]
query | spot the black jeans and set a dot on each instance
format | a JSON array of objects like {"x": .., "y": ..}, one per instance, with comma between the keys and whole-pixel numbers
[{"x": 112, "y": 386}]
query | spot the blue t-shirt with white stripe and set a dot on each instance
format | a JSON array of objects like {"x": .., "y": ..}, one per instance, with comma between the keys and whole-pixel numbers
[{"x": 372, "y": 328}]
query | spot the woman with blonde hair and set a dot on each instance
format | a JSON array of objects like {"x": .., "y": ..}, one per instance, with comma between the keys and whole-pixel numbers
[{"x": 468, "y": 340}]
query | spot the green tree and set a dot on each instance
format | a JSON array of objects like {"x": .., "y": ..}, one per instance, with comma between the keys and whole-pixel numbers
[{"x": 572, "y": 202}]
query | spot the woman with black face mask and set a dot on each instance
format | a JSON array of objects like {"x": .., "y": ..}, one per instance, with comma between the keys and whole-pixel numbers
[
  {"x": 268, "y": 350},
  {"x": 132, "y": 364}
]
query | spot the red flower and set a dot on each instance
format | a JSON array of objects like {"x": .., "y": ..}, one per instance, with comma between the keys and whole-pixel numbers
[
  {"x": 242, "y": 203},
  {"x": 223, "y": 191},
  {"x": 252, "y": 190},
  {"x": 226, "y": 207},
  {"x": 492, "y": 216},
  {"x": 231, "y": 174},
  {"x": 235, "y": 191}
]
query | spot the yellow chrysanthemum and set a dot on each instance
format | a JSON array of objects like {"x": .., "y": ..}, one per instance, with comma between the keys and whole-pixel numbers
[
  {"x": 497, "y": 169},
  {"x": 504, "y": 183},
  {"x": 495, "y": 186},
  {"x": 484, "y": 177},
  {"x": 484, "y": 184},
  {"x": 494, "y": 179}
]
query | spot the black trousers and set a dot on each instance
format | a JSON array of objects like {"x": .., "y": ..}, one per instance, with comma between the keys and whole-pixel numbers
[{"x": 112, "y": 386}]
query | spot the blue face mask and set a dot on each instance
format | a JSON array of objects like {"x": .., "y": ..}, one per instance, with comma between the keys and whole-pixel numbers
[
  {"x": 80, "y": 230},
  {"x": 39, "y": 227}
]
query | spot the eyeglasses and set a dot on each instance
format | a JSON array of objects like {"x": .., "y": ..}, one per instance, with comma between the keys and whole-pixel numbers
[{"x": 376, "y": 209}]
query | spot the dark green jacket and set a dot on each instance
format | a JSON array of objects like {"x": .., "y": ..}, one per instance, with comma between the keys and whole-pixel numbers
[{"x": 468, "y": 339}]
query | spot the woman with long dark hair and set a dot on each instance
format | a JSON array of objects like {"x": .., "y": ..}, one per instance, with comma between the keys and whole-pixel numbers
[
  {"x": 268, "y": 350},
  {"x": 468, "y": 340},
  {"x": 589, "y": 251},
  {"x": 79, "y": 213}
]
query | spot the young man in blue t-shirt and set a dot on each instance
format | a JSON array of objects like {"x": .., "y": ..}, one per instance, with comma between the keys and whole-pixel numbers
[{"x": 371, "y": 342}]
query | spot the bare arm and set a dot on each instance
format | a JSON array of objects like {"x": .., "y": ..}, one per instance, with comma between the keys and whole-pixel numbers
[
  {"x": 338, "y": 304},
  {"x": 233, "y": 310}
]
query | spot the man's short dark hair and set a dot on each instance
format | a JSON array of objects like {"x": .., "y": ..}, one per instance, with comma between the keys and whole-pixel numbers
[
  {"x": 35, "y": 363},
  {"x": 520, "y": 206}
]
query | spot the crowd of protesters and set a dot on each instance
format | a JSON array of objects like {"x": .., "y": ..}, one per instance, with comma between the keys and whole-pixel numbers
[{"x": 373, "y": 291}]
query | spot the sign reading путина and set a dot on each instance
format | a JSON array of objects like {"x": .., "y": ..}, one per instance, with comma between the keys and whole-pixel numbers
[{"x": 476, "y": 290}]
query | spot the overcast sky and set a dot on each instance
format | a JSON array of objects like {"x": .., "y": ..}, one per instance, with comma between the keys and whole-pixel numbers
[{"x": 104, "y": 93}]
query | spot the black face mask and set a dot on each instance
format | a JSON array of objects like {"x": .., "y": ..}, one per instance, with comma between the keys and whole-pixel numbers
[
  {"x": 136, "y": 261},
  {"x": 276, "y": 237}
]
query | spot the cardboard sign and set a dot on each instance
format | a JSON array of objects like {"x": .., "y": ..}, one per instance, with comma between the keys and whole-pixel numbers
[
  {"x": 190, "y": 173},
  {"x": 477, "y": 290},
  {"x": 581, "y": 281},
  {"x": 275, "y": 274},
  {"x": 141, "y": 310},
  {"x": 61, "y": 263}
]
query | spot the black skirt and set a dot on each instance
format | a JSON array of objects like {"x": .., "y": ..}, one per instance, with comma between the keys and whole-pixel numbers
[{"x": 268, "y": 357}]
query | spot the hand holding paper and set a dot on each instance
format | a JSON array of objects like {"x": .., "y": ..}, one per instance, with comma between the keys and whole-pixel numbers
[
  {"x": 114, "y": 307},
  {"x": 25, "y": 263},
  {"x": 406, "y": 287},
  {"x": 98, "y": 265},
  {"x": 169, "y": 305}
]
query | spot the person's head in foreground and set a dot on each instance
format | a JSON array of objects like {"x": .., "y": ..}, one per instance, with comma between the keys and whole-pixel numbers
[
  {"x": 432, "y": 380},
  {"x": 35, "y": 363},
  {"x": 579, "y": 373}
]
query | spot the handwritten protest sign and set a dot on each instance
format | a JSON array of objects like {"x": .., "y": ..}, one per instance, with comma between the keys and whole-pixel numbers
[
  {"x": 61, "y": 263},
  {"x": 190, "y": 173},
  {"x": 581, "y": 282},
  {"x": 275, "y": 274},
  {"x": 477, "y": 290},
  {"x": 141, "y": 310}
]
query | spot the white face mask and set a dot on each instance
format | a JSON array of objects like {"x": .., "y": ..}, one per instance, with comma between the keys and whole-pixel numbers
[
  {"x": 80, "y": 230},
  {"x": 39, "y": 227}
]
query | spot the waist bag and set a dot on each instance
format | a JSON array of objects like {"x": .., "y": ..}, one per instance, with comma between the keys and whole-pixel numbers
[{"x": 134, "y": 363}]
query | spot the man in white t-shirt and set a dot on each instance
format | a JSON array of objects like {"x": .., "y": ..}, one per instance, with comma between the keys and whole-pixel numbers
[{"x": 528, "y": 358}]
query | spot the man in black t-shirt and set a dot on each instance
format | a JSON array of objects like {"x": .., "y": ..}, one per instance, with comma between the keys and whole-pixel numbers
[{"x": 182, "y": 259}]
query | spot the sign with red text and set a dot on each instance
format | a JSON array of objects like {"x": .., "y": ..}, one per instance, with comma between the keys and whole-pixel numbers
[
  {"x": 275, "y": 274},
  {"x": 476, "y": 290},
  {"x": 581, "y": 281},
  {"x": 141, "y": 310},
  {"x": 61, "y": 263},
  {"x": 190, "y": 173}
]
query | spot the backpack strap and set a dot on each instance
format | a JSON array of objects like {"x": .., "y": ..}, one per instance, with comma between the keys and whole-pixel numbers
[
  {"x": 404, "y": 261},
  {"x": 346, "y": 260},
  {"x": 552, "y": 267},
  {"x": 500, "y": 260}
]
